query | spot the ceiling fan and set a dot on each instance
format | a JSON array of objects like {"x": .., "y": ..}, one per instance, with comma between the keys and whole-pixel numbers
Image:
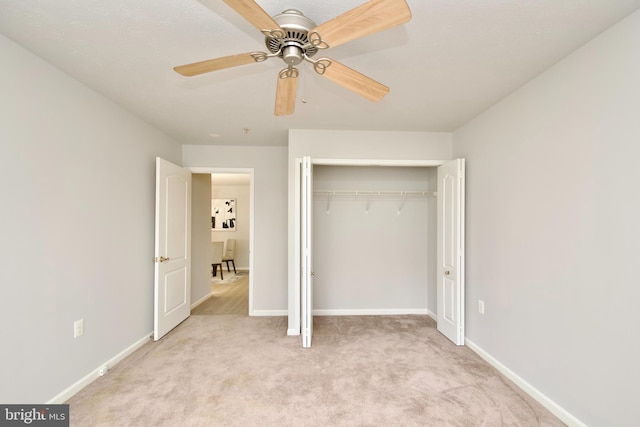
[{"x": 294, "y": 38}]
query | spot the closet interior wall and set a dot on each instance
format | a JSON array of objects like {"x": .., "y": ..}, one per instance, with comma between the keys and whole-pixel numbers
[{"x": 374, "y": 254}]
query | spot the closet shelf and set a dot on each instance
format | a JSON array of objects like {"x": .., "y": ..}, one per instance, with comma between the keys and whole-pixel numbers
[{"x": 373, "y": 193}]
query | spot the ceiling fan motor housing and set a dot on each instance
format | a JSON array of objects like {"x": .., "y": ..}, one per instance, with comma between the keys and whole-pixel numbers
[{"x": 296, "y": 41}]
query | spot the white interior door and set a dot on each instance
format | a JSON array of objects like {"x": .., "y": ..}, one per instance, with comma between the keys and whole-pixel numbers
[
  {"x": 306, "y": 259},
  {"x": 172, "y": 273},
  {"x": 450, "y": 292}
]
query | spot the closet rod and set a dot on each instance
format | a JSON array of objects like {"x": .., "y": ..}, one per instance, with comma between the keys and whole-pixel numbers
[{"x": 373, "y": 193}]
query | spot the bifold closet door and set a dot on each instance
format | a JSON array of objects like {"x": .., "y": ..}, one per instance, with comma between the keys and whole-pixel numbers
[
  {"x": 450, "y": 264},
  {"x": 306, "y": 258}
]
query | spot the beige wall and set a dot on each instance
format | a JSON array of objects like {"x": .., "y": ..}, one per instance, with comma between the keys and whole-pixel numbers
[
  {"x": 200, "y": 237},
  {"x": 77, "y": 227},
  {"x": 553, "y": 237}
]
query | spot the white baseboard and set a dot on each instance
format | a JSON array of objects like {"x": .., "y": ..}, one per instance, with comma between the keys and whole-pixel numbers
[
  {"x": 201, "y": 300},
  {"x": 259, "y": 313},
  {"x": 95, "y": 374},
  {"x": 293, "y": 332},
  {"x": 432, "y": 315},
  {"x": 545, "y": 401},
  {"x": 370, "y": 312}
]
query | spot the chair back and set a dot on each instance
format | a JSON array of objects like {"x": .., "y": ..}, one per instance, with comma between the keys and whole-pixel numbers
[
  {"x": 231, "y": 249},
  {"x": 217, "y": 252}
]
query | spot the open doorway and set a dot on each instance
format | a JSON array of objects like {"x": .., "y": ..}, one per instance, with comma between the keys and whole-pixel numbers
[{"x": 222, "y": 215}]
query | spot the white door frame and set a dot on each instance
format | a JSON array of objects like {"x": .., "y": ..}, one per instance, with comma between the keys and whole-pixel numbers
[
  {"x": 249, "y": 171},
  {"x": 294, "y": 312}
]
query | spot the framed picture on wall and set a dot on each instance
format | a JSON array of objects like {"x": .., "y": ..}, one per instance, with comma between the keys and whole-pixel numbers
[{"x": 223, "y": 214}]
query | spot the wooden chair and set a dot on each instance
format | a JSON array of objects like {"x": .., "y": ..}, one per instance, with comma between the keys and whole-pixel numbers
[
  {"x": 216, "y": 259},
  {"x": 230, "y": 254}
]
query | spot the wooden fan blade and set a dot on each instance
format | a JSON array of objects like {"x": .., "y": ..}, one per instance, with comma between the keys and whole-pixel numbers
[
  {"x": 356, "y": 82},
  {"x": 253, "y": 13},
  {"x": 368, "y": 18},
  {"x": 215, "y": 64},
  {"x": 286, "y": 96}
]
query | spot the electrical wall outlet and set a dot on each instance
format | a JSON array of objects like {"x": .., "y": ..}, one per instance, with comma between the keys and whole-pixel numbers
[
  {"x": 78, "y": 328},
  {"x": 480, "y": 306}
]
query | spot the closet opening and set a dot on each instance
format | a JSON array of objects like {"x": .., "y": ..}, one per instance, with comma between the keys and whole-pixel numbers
[
  {"x": 374, "y": 240},
  {"x": 385, "y": 238}
]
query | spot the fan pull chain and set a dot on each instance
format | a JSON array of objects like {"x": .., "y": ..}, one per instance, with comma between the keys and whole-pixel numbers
[{"x": 303, "y": 98}]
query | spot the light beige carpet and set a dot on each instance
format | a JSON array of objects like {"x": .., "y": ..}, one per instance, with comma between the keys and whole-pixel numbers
[{"x": 234, "y": 370}]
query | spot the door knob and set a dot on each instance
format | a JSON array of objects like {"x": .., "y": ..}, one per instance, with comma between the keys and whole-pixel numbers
[
  {"x": 313, "y": 273},
  {"x": 447, "y": 272},
  {"x": 160, "y": 259}
]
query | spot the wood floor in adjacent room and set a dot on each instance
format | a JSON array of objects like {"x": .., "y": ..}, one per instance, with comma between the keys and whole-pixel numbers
[{"x": 230, "y": 296}]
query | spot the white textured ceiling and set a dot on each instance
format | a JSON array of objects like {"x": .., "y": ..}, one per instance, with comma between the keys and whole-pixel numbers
[{"x": 453, "y": 60}]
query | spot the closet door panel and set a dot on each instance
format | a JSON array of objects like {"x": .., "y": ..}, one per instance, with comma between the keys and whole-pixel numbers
[{"x": 450, "y": 267}]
